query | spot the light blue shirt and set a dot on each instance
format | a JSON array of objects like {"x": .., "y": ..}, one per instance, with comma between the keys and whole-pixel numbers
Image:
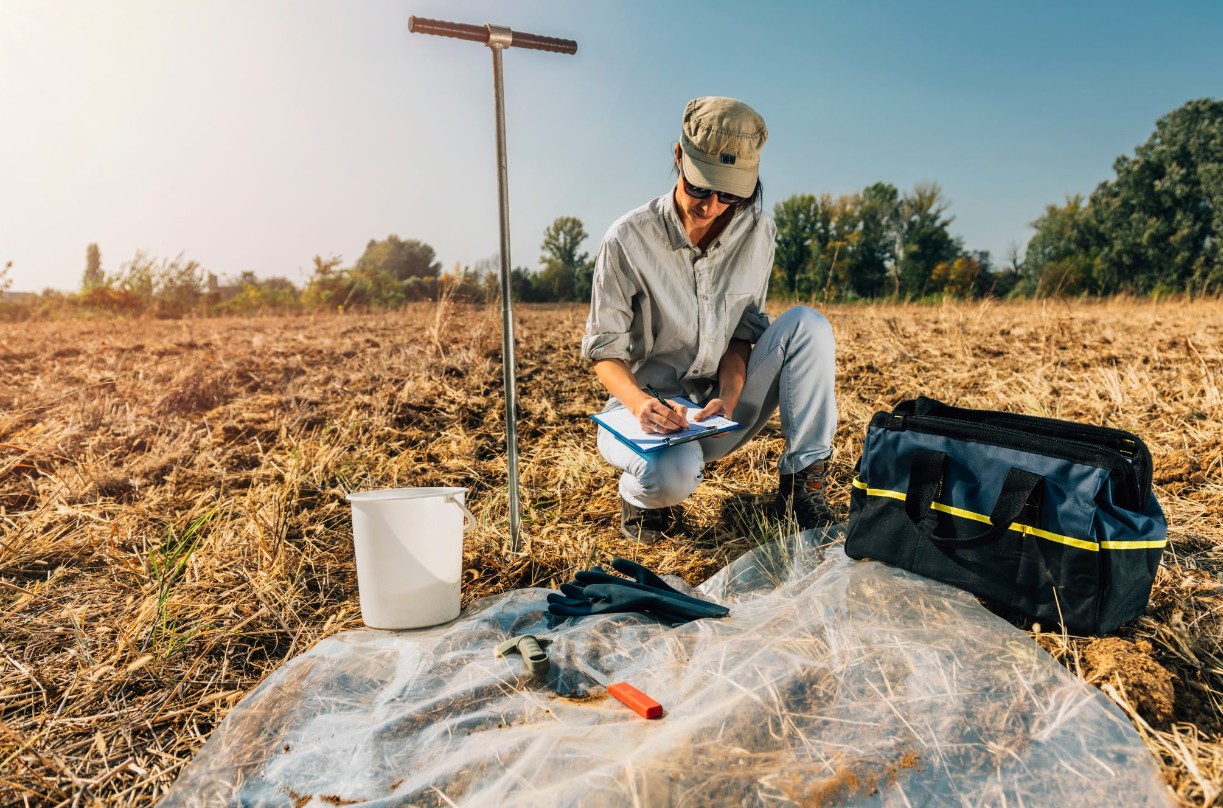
[{"x": 669, "y": 309}]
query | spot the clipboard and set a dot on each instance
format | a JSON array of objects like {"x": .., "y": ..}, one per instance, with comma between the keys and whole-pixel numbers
[{"x": 623, "y": 426}]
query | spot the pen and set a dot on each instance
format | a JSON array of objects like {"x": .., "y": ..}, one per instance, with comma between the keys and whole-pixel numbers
[{"x": 649, "y": 388}]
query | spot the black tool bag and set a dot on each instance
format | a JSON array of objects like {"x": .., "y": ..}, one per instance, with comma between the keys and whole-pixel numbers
[{"x": 1054, "y": 518}]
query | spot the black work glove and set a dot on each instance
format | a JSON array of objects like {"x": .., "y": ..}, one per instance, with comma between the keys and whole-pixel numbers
[{"x": 596, "y": 591}]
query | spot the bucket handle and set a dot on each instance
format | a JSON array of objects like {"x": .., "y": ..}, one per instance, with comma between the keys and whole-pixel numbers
[{"x": 469, "y": 519}]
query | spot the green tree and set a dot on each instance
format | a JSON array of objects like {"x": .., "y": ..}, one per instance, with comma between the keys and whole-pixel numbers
[
  {"x": 94, "y": 277},
  {"x": 875, "y": 253},
  {"x": 957, "y": 278},
  {"x": 255, "y": 295},
  {"x": 487, "y": 279},
  {"x": 1161, "y": 219},
  {"x": 567, "y": 272},
  {"x": 179, "y": 285},
  {"x": 925, "y": 240},
  {"x": 835, "y": 248},
  {"x": 525, "y": 286},
  {"x": 169, "y": 286},
  {"x": 392, "y": 271},
  {"x": 1062, "y": 254},
  {"x": 138, "y": 278},
  {"x": 834, "y": 245},
  {"x": 988, "y": 279},
  {"x": 370, "y": 286},
  {"x": 5, "y": 281},
  {"x": 556, "y": 283},
  {"x": 328, "y": 285},
  {"x": 1006, "y": 281},
  {"x": 399, "y": 259},
  {"x": 796, "y": 219}
]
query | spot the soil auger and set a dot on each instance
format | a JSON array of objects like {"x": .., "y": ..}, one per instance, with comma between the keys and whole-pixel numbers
[{"x": 498, "y": 38}]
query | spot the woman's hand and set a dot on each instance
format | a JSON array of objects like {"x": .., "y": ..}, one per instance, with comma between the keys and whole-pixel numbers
[
  {"x": 715, "y": 406},
  {"x": 656, "y": 418}
]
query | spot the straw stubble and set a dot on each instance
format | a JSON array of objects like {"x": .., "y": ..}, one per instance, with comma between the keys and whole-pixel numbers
[{"x": 173, "y": 523}]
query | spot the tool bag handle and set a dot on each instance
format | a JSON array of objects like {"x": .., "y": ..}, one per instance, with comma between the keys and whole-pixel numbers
[
  {"x": 479, "y": 33},
  {"x": 925, "y": 481}
]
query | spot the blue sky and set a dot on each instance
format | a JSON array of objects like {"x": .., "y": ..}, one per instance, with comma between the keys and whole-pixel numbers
[{"x": 256, "y": 135}]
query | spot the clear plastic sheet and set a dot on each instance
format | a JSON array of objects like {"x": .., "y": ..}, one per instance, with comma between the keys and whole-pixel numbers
[{"x": 832, "y": 682}]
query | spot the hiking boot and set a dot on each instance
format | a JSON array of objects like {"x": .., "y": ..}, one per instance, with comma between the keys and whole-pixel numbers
[
  {"x": 645, "y": 525},
  {"x": 801, "y": 495}
]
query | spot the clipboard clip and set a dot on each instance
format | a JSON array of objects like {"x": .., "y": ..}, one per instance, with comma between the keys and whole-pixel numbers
[{"x": 689, "y": 437}]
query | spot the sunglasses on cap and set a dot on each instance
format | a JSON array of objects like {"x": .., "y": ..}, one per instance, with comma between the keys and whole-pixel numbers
[{"x": 701, "y": 193}]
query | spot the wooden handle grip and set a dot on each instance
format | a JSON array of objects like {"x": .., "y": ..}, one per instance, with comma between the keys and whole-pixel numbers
[
  {"x": 479, "y": 33},
  {"x": 639, "y": 702}
]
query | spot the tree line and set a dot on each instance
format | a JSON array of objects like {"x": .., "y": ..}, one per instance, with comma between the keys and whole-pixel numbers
[
  {"x": 878, "y": 243},
  {"x": 1156, "y": 228},
  {"x": 390, "y": 273}
]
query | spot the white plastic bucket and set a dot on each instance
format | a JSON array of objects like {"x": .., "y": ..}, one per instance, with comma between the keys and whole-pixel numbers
[{"x": 409, "y": 548}]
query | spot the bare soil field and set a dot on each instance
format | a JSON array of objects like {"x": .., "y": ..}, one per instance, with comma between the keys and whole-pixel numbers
[{"x": 173, "y": 523}]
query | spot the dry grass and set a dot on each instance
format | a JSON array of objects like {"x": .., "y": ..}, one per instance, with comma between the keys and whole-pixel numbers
[{"x": 172, "y": 521}]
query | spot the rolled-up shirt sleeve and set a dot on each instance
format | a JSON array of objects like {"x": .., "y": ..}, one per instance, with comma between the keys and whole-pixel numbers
[{"x": 608, "y": 328}]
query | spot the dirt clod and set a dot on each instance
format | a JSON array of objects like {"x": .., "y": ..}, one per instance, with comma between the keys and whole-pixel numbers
[{"x": 1129, "y": 667}]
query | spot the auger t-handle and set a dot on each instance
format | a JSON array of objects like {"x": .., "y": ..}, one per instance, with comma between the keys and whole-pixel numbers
[{"x": 480, "y": 33}]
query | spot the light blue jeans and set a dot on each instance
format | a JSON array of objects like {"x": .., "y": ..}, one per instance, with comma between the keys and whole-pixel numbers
[{"x": 792, "y": 366}]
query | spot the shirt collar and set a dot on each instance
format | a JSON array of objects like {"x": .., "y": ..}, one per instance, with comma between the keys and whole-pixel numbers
[
  {"x": 675, "y": 227},
  {"x": 676, "y": 233}
]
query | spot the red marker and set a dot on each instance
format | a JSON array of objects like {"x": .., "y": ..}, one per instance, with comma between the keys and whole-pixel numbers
[{"x": 625, "y": 693}]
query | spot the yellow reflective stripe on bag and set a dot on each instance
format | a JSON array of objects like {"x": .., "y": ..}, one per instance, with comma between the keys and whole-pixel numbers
[{"x": 1019, "y": 527}]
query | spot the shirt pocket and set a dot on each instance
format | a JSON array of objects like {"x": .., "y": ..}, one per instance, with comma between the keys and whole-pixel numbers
[{"x": 734, "y": 304}]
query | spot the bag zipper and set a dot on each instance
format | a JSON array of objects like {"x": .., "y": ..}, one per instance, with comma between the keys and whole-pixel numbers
[
  {"x": 1124, "y": 442},
  {"x": 1066, "y": 447},
  {"x": 1127, "y": 444}
]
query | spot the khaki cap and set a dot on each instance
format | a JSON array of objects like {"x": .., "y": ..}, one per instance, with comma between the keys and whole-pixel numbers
[{"x": 721, "y": 141}]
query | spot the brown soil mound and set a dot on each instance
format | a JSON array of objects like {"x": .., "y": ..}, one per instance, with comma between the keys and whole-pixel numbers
[{"x": 1131, "y": 669}]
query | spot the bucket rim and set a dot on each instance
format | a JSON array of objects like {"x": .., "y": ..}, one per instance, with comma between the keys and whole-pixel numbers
[{"x": 390, "y": 494}]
